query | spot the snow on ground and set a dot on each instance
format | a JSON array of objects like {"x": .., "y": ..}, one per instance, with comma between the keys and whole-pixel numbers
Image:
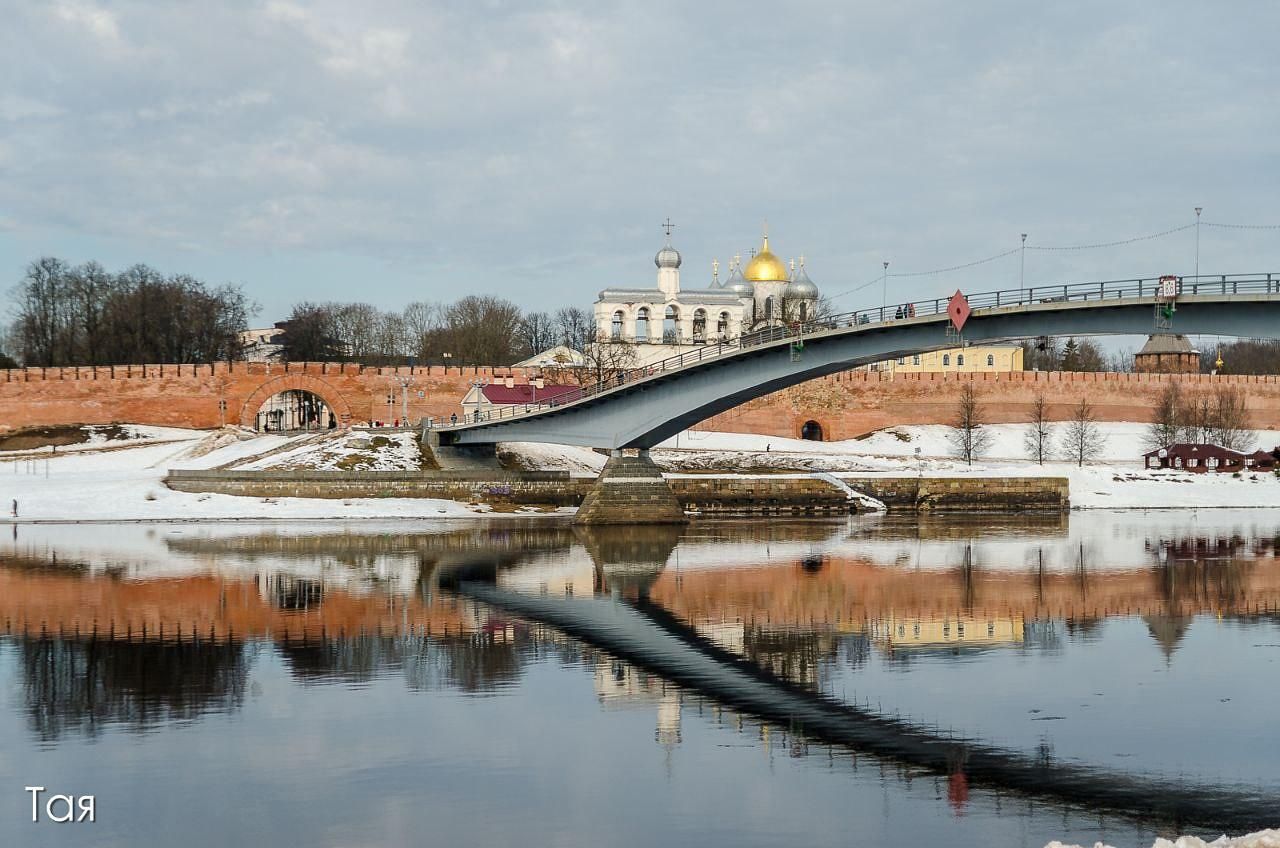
[
  {"x": 100, "y": 436},
  {"x": 1116, "y": 480},
  {"x": 350, "y": 451},
  {"x": 125, "y": 485},
  {"x": 535, "y": 456},
  {"x": 1261, "y": 839}
]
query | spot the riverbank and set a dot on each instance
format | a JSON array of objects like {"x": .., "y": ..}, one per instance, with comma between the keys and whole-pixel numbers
[{"x": 712, "y": 474}]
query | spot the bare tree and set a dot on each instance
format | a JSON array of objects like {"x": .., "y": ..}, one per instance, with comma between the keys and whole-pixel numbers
[
  {"x": 968, "y": 438},
  {"x": 1039, "y": 438},
  {"x": 1040, "y": 354},
  {"x": 574, "y": 327},
  {"x": 1166, "y": 427},
  {"x": 606, "y": 359},
  {"x": 482, "y": 330},
  {"x": 1229, "y": 423},
  {"x": 1197, "y": 418},
  {"x": 537, "y": 333},
  {"x": 1083, "y": 439},
  {"x": 423, "y": 323}
]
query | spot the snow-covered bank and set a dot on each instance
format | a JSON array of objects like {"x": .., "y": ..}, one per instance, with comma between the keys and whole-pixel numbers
[
  {"x": 126, "y": 485},
  {"x": 1115, "y": 480},
  {"x": 123, "y": 482},
  {"x": 1260, "y": 839}
]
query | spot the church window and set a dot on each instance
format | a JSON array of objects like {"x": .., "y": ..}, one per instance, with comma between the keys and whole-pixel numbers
[
  {"x": 959, "y": 359},
  {"x": 991, "y": 360},
  {"x": 902, "y": 360},
  {"x": 616, "y": 330},
  {"x": 768, "y": 308},
  {"x": 946, "y": 359},
  {"x": 804, "y": 311},
  {"x": 671, "y": 326},
  {"x": 915, "y": 360},
  {"x": 642, "y": 324}
]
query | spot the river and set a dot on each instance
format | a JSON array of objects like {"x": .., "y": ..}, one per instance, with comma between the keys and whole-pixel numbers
[{"x": 873, "y": 680}]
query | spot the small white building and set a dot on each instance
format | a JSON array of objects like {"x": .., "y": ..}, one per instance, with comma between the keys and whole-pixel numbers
[
  {"x": 261, "y": 345},
  {"x": 560, "y": 356},
  {"x": 667, "y": 320}
]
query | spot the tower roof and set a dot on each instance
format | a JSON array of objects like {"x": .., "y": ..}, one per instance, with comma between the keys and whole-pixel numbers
[{"x": 1167, "y": 343}]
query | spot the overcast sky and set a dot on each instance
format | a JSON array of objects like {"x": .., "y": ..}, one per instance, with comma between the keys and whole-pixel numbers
[{"x": 411, "y": 150}]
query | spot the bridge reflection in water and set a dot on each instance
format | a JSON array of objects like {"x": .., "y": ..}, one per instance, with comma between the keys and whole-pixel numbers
[{"x": 742, "y": 614}]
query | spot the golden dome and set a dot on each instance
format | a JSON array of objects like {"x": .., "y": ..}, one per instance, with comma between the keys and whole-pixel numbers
[{"x": 764, "y": 267}]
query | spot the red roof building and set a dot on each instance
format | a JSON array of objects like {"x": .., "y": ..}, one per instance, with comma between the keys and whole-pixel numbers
[
  {"x": 499, "y": 394},
  {"x": 1201, "y": 458},
  {"x": 506, "y": 393}
]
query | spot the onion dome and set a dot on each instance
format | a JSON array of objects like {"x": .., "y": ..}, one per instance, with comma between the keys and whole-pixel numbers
[
  {"x": 801, "y": 287},
  {"x": 737, "y": 283},
  {"x": 764, "y": 267},
  {"x": 668, "y": 257}
]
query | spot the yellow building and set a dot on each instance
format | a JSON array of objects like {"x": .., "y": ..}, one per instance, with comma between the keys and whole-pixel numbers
[
  {"x": 897, "y": 633},
  {"x": 978, "y": 358}
]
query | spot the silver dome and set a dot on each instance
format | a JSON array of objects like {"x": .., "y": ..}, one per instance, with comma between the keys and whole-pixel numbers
[
  {"x": 668, "y": 257},
  {"x": 801, "y": 287},
  {"x": 738, "y": 284}
]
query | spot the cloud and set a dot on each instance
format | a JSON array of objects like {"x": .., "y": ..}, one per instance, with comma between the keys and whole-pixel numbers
[
  {"x": 98, "y": 22},
  {"x": 531, "y": 151}
]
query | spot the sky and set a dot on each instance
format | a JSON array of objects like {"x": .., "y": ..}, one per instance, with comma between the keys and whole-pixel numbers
[{"x": 400, "y": 151}]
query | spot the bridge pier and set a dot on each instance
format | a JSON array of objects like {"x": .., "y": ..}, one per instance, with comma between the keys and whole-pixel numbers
[{"x": 630, "y": 490}]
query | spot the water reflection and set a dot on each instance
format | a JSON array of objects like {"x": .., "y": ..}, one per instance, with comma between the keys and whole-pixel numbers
[
  {"x": 80, "y": 685},
  {"x": 158, "y": 626}
]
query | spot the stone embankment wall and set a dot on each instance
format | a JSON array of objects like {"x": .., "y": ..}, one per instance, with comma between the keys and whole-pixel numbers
[
  {"x": 533, "y": 487},
  {"x": 853, "y": 403},
  {"x": 708, "y": 495},
  {"x": 773, "y": 494}
]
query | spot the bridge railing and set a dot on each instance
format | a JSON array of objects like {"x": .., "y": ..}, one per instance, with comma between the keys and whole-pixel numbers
[{"x": 608, "y": 379}]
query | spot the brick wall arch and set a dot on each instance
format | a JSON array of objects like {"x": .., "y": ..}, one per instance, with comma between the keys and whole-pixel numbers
[{"x": 287, "y": 382}]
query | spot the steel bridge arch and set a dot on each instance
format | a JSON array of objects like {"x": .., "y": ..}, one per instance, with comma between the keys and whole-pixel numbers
[{"x": 648, "y": 408}]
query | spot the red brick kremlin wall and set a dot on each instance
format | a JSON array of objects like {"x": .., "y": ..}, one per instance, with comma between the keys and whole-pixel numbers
[
  {"x": 846, "y": 405},
  {"x": 189, "y": 395},
  {"x": 853, "y": 403}
]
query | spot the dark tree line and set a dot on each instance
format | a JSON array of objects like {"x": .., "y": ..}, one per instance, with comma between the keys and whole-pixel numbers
[
  {"x": 1244, "y": 356},
  {"x": 86, "y": 315},
  {"x": 475, "y": 330},
  {"x": 1047, "y": 354}
]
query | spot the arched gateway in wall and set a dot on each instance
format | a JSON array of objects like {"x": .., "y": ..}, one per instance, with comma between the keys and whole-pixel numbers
[{"x": 295, "y": 382}]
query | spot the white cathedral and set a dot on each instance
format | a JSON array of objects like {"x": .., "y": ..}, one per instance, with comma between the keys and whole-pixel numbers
[{"x": 665, "y": 320}]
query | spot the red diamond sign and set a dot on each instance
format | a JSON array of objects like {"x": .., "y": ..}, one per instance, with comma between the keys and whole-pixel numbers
[{"x": 958, "y": 309}]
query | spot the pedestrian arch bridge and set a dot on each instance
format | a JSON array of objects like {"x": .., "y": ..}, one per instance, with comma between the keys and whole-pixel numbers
[{"x": 641, "y": 407}]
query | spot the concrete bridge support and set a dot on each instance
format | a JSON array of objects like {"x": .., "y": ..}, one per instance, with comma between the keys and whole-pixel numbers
[{"x": 630, "y": 490}]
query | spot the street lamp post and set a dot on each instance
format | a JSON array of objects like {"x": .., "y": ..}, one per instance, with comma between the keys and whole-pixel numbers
[
  {"x": 405, "y": 382},
  {"x": 1199, "y": 209},
  {"x": 884, "y": 290},
  {"x": 1022, "y": 265},
  {"x": 444, "y": 360}
]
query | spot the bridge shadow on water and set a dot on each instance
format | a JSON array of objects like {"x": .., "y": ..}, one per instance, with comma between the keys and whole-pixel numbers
[{"x": 623, "y": 619}]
